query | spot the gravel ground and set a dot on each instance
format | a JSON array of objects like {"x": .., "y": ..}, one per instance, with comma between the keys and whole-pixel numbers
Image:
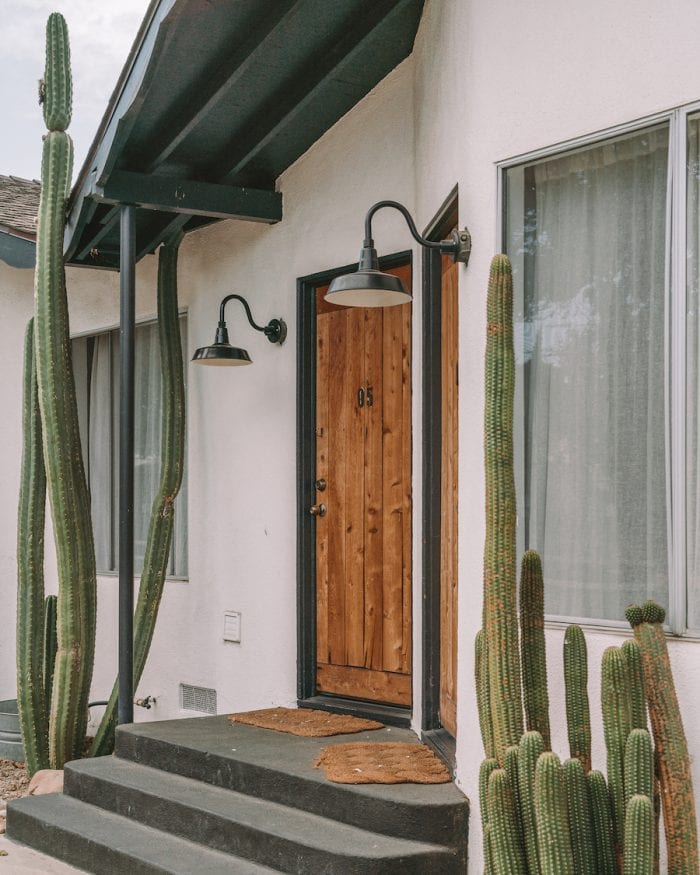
[{"x": 13, "y": 779}]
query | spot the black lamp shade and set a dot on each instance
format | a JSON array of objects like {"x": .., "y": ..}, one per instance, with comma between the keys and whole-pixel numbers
[
  {"x": 368, "y": 288},
  {"x": 221, "y": 354}
]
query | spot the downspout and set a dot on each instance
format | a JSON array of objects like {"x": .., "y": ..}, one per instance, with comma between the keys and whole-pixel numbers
[{"x": 127, "y": 319}]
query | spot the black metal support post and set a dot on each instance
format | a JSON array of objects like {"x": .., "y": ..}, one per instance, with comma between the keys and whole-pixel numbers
[{"x": 127, "y": 282}]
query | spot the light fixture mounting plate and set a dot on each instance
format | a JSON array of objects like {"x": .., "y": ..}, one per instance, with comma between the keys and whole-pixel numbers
[{"x": 463, "y": 245}]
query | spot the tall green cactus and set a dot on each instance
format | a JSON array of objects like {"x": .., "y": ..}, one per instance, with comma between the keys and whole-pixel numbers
[
  {"x": 673, "y": 761},
  {"x": 155, "y": 564},
  {"x": 578, "y": 716},
  {"x": 31, "y": 693},
  {"x": 67, "y": 487},
  {"x": 639, "y": 835},
  {"x": 481, "y": 679},
  {"x": 616, "y": 728},
  {"x": 532, "y": 646},
  {"x": 529, "y": 751},
  {"x": 488, "y": 766},
  {"x": 553, "y": 837},
  {"x": 50, "y": 644},
  {"x": 500, "y": 613},
  {"x": 580, "y": 820},
  {"x": 601, "y": 815},
  {"x": 507, "y": 854}
]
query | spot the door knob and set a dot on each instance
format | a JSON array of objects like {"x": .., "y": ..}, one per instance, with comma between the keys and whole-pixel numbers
[{"x": 317, "y": 510}]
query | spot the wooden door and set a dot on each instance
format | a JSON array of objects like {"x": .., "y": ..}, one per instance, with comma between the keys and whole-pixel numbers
[
  {"x": 363, "y": 541},
  {"x": 448, "y": 498}
]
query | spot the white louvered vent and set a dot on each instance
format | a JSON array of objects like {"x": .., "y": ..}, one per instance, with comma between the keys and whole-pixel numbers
[{"x": 199, "y": 699}]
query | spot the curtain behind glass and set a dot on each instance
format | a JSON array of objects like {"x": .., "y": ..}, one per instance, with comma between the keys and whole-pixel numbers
[
  {"x": 100, "y": 451},
  {"x": 693, "y": 385},
  {"x": 591, "y": 236}
]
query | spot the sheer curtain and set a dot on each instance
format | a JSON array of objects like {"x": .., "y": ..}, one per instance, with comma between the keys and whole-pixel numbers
[
  {"x": 693, "y": 386},
  {"x": 589, "y": 230},
  {"x": 103, "y": 452}
]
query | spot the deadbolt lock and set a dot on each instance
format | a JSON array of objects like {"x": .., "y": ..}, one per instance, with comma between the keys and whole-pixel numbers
[
  {"x": 321, "y": 485},
  {"x": 317, "y": 510}
]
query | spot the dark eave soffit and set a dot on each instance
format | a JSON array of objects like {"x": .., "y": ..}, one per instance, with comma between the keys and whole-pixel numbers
[{"x": 215, "y": 101}]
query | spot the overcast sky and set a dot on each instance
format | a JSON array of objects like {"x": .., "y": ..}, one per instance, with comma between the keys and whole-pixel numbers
[{"x": 101, "y": 34}]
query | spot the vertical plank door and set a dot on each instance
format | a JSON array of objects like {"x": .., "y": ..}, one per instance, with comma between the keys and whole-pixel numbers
[{"x": 363, "y": 542}]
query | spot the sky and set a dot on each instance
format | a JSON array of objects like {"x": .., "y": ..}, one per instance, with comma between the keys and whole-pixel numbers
[{"x": 101, "y": 34}]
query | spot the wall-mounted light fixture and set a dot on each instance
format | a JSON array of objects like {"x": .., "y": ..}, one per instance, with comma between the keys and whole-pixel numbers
[
  {"x": 369, "y": 286},
  {"x": 222, "y": 353}
]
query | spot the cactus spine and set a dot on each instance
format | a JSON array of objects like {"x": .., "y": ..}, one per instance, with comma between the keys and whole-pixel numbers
[
  {"x": 532, "y": 646},
  {"x": 578, "y": 717},
  {"x": 68, "y": 493},
  {"x": 672, "y": 756},
  {"x": 500, "y": 615},
  {"x": 160, "y": 531},
  {"x": 31, "y": 694}
]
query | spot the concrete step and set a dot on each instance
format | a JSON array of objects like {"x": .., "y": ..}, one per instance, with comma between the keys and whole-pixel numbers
[
  {"x": 285, "y": 838},
  {"x": 103, "y": 843},
  {"x": 279, "y": 768}
]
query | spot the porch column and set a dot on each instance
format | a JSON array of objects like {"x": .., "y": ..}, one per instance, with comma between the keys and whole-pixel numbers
[{"x": 127, "y": 282}]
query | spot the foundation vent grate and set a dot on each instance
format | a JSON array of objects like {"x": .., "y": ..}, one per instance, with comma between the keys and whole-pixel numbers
[{"x": 199, "y": 699}]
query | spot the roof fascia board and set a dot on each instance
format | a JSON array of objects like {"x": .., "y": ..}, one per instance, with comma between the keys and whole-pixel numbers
[
  {"x": 173, "y": 195},
  {"x": 113, "y": 126}
]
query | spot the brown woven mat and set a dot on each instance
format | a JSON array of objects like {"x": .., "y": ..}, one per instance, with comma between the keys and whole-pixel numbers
[
  {"x": 382, "y": 763},
  {"x": 303, "y": 721}
]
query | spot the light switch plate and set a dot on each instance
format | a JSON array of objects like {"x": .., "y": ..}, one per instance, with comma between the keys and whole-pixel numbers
[{"x": 232, "y": 626}]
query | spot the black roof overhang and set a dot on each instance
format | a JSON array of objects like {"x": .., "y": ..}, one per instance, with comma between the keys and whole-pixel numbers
[{"x": 216, "y": 100}]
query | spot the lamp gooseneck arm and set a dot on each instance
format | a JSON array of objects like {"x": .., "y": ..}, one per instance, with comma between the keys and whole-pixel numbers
[
  {"x": 442, "y": 245},
  {"x": 243, "y": 301}
]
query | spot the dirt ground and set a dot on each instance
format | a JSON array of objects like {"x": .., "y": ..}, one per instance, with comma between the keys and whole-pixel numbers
[{"x": 13, "y": 779}]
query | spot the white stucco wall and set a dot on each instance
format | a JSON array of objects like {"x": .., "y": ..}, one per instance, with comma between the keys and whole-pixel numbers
[
  {"x": 488, "y": 80},
  {"x": 495, "y": 80}
]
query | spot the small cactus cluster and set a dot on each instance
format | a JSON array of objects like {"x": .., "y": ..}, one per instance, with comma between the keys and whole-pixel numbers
[{"x": 541, "y": 816}]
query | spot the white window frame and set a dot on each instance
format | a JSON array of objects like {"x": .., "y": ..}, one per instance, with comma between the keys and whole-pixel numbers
[{"x": 676, "y": 364}]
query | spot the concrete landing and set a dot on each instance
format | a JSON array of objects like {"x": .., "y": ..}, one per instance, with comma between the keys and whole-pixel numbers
[{"x": 21, "y": 860}]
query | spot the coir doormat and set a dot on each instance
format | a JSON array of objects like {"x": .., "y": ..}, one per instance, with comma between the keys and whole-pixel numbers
[
  {"x": 382, "y": 763},
  {"x": 305, "y": 722}
]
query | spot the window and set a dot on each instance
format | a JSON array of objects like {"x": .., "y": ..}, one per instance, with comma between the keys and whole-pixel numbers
[
  {"x": 96, "y": 364},
  {"x": 606, "y": 272}
]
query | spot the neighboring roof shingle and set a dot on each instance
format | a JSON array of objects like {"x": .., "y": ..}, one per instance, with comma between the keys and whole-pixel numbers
[{"x": 19, "y": 204}]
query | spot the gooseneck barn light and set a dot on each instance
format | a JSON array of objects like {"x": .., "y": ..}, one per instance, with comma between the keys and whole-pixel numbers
[
  {"x": 222, "y": 353},
  {"x": 369, "y": 286}
]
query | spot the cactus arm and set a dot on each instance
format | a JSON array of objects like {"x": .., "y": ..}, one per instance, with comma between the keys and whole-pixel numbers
[
  {"x": 553, "y": 839},
  {"x": 500, "y": 613},
  {"x": 506, "y": 850},
  {"x": 639, "y": 765},
  {"x": 58, "y": 84},
  {"x": 481, "y": 678},
  {"x": 529, "y": 750},
  {"x": 31, "y": 700},
  {"x": 580, "y": 819},
  {"x": 532, "y": 646},
  {"x": 673, "y": 761},
  {"x": 160, "y": 531},
  {"x": 601, "y": 813},
  {"x": 639, "y": 832},
  {"x": 50, "y": 645},
  {"x": 578, "y": 716}
]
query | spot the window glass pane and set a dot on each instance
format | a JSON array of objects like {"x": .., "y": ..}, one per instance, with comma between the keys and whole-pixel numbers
[
  {"x": 100, "y": 449},
  {"x": 586, "y": 232},
  {"x": 693, "y": 385}
]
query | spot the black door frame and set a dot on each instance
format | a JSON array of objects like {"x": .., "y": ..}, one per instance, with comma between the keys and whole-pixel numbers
[
  {"x": 432, "y": 731},
  {"x": 307, "y": 694}
]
